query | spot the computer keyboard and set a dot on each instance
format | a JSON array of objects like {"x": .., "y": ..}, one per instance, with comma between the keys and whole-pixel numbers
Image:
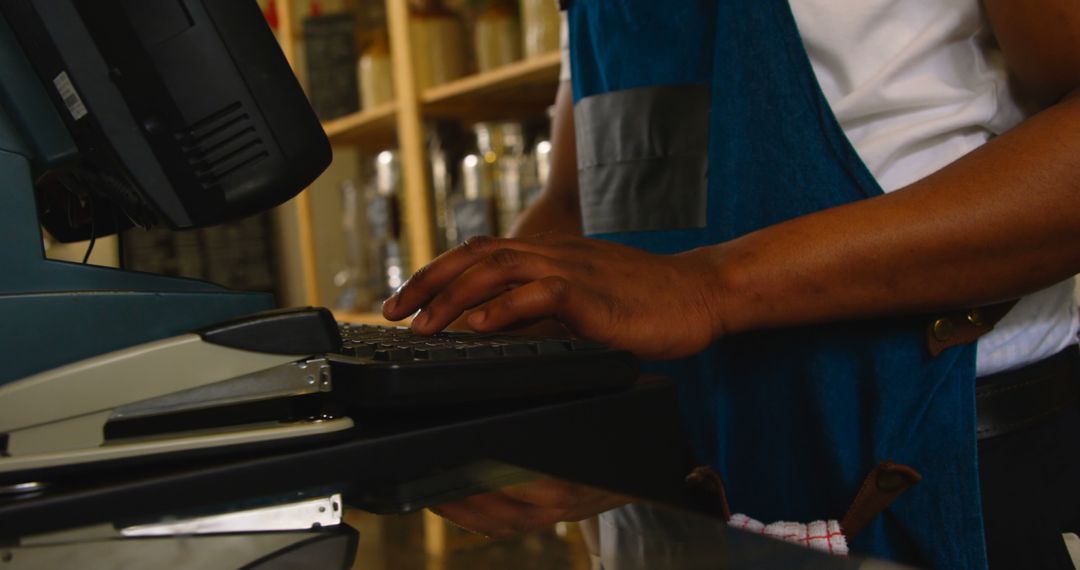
[
  {"x": 290, "y": 377},
  {"x": 390, "y": 367},
  {"x": 399, "y": 344}
]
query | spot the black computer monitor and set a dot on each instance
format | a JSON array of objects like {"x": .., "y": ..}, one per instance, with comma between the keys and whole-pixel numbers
[{"x": 185, "y": 112}]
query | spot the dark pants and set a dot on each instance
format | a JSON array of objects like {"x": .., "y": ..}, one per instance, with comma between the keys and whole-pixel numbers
[{"x": 1031, "y": 493}]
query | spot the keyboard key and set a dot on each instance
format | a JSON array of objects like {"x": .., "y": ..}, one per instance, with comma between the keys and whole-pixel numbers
[
  {"x": 397, "y": 344},
  {"x": 399, "y": 370},
  {"x": 437, "y": 353},
  {"x": 551, "y": 346},
  {"x": 519, "y": 349},
  {"x": 582, "y": 344},
  {"x": 481, "y": 351},
  {"x": 366, "y": 349},
  {"x": 393, "y": 354}
]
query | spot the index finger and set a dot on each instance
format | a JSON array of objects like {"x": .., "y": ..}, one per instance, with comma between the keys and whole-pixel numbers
[{"x": 433, "y": 277}]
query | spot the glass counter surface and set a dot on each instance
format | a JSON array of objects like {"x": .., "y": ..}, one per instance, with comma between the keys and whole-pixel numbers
[
  {"x": 324, "y": 532},
  {"x": 359, "y": 502}
]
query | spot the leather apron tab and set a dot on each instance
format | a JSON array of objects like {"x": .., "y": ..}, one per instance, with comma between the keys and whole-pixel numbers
[
  {"x": 964, "y": 327},
  {"x": 880, "y": 488},
  {"x": 707, "y": 490}
]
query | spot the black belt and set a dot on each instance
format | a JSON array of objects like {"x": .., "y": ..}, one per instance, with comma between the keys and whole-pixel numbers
[{"x": 1016, "y": 399}]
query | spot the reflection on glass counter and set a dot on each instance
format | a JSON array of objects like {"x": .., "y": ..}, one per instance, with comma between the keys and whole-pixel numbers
[{"x": 312, "y": 530}]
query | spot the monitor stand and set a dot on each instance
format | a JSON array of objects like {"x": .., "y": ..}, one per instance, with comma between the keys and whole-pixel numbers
[{"x": 56, "y": 312}]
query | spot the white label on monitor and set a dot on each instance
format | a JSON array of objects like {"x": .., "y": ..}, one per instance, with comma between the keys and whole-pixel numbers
[{"x": 70, "y": 95}]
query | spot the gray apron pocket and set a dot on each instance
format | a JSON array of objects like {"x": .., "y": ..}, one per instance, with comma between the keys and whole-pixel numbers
[{"x": 643, "y": 158}]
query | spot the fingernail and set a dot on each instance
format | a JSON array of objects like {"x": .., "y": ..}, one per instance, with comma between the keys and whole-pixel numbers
[
  {"x": 422, "y": 318},
  {"x": 390, "y": 304},
  {"x": 476, "y": 319}
]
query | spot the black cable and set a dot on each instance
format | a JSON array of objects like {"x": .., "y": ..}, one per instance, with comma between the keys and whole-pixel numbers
[
  {"x": 119, "y": 238},
  {"x": 93, "y": 231}
]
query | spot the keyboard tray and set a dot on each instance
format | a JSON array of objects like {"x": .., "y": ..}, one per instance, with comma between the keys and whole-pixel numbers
[{"x": 388, "y": 368}]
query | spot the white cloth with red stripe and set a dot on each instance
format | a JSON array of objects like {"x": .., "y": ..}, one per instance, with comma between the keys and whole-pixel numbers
[{"x": 821, "y": 535}]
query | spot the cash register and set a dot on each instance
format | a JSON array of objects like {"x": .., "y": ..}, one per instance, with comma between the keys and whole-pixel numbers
[
  {"x": 181, "y": 114},
  {"x": 134, "y": 403}
]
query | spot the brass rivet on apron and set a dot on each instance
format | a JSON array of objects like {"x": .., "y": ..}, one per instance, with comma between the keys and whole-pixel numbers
[
  {"x": 975, "y": 317},
  {"x": 943, "y": 329},
  {"x": 889, "y": 481}
]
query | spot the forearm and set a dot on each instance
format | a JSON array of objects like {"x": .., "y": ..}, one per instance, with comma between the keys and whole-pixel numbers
[
  {"x": 548, "y": 214},
  {"x": 557, "y": 208},
  {"x": 998, "y": 223}
]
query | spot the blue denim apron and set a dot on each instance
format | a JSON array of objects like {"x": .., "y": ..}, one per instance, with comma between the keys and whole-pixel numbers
[{"x": 698, "y": 122}]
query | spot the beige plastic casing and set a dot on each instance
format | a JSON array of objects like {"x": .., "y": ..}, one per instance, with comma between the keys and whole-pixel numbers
[{"x": 58, "y": 417}]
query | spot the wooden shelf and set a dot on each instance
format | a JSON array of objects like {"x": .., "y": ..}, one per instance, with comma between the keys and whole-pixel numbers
[
  {"x": 366, "y": 318},
  {"x": 373, "y": 127},
  {"x": 518, "y": 91},
  {"x": 520, "y": 88},
  {"x": 514, "y": 90}
]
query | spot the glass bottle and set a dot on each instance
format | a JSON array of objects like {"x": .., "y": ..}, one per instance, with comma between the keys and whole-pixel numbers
[
  {"x": 501, "y": 147},
  {"x": 540, "y": 161},
  {"x": 441, "y": 186},
  {"x": 349, "y": 279},
  {"x": 474, "y": 208},
  {"x": 536, "y": 169},
  {"x": 270, "y": 12},
  {"x": 388, "y": 252}
]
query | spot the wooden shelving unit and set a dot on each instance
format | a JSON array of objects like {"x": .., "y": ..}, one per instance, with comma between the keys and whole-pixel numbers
[
  {"x": 519, "y": 90},
  {"x": 524, "y": 87},
  {"x": 370, "y": 128}
]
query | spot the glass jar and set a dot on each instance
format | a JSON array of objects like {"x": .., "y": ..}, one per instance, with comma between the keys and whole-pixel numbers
[
  {"x": 539, "y": 27},
  {"x": 496, "y": 36},
  {"x": 375, "y": 72},
  {"x": 438, "y": 43}
]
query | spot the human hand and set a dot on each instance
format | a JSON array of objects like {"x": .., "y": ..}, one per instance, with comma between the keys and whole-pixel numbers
[
  {"x": 657, "y": 306},
  {"x": 547, "y": 328},
  {"x": 527, "y": 507}
]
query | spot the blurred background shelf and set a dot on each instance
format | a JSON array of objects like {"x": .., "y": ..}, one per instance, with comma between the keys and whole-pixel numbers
[
  {"x": 429, "y": 100},
  {"x": 369, "y": 128},
  {"x": 355, "y": 317},
  {"x": 386, "y": 84},
  {"x": 520, "y": 89}
]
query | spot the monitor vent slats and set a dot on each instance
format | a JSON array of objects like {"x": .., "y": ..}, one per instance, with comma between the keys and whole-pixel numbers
[{"x": 221, "y": 144}]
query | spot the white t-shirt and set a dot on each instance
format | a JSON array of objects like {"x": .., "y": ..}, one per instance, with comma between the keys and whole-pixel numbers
[{"x": 916, "y": 84}]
